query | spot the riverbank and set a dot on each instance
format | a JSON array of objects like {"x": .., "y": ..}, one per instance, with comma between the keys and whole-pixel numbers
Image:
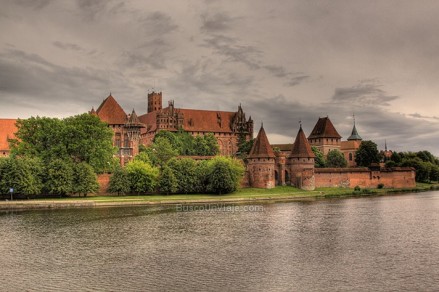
[{"x": 246, "y": 195}]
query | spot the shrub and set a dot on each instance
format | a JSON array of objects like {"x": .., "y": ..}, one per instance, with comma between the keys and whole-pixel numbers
[{"x": 380, "y": 186}]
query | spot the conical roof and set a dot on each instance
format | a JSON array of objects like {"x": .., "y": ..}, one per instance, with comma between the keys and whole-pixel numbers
[
  {"x": 133, "y": 120},
  {"x": 301, "y": 147},
  {"x": 261, "y": 147},
  {"x": 324, "y": 129},
  {"x": 354, "y": 135},
  {"x": 111, "y": 112}
]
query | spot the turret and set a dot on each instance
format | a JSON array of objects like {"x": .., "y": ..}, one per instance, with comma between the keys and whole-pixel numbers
[
  {"x": 301, "y": 163},
  {"x": 261, "y": 162}
]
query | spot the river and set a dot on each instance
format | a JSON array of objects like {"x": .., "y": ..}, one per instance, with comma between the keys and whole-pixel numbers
[{"x": 386, "y": 243}]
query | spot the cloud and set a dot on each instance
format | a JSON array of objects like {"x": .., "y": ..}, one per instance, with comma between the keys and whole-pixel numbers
[
  {"x": 36, "y": 81},
  {"x": 297, "y": 80},
  {"x": 34, "y": 4},
  {"x": 156, "y": 23},
  {"x": 367, "y": 92},
  {"x": 217, "y": 22},
  {"x": 233, "y": 51},
  {"x": 67, "y": 46}
]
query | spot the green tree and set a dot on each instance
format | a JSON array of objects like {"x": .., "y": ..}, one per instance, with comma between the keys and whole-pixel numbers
[
  {"x": 201, "y": 174},
  {"x": 88, "y": 139},
  {"x": 82, "y": 138},
  {"x": 142, "y": 176},
  {"x": 40, "y": 137},
  {"x": 173, "y": 138},
  {"x": 396, "y": 157},
  {"x": 422, "y": 168},
  {"x": 434, "y": 173},
  {"x": 119, "y": 182},
  {"x": 162, "y": 151},
  {"x": 212, "y": 147},
  {"x": 336, "y": 159},
  {"x": 367, "y": 154},
  {"x": 59, "y": 177},
  {"x": 21, "y": 174},
  {"x": 167, "y": 181},
  {"x": 224, "y": 175},
  {"x": 84, "y": 179},
  {"x": 319, "y": 160},
  {"x": 184, "y": 170}
]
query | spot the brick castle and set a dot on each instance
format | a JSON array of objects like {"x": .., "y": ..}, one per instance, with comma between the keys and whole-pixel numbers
[{"x": 267, "y": 165}]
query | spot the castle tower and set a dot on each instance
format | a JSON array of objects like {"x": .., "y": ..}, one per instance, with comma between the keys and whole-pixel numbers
[
  {"x": 301, "y": 163},
  {"x": 154, "y": 101},
  {"x": 354, "y": 135},
  {"x": 261, "y": 163},
  {"x": 350, "y": 147},
  {"x": 132, "y": 129},
  {"x": 324, "y": 136}
]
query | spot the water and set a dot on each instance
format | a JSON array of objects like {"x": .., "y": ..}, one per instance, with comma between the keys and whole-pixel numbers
[{"x": 358, "y": 244}]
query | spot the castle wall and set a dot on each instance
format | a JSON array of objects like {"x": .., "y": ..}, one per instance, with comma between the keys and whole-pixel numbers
[
  {"x": 104, "y": 181},
  {"x": 364, "y": 178},
  {"x": 260, "y": 173}
]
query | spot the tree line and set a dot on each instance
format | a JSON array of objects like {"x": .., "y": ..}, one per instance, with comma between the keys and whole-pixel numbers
[
  {"x": 425, "y": 164},
  {"x": 63, "y": 156},
  {"x": 183, "y": 175}
]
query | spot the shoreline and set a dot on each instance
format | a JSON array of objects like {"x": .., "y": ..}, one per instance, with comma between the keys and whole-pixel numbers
[{"x": 164, "y": 201}]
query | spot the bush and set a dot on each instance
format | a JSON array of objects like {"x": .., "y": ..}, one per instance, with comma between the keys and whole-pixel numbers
[
  {"x": 357, "y": 188},
  {"x": 142, "y": 176},
  {"x": 224, "y": 176},
  {"x": 119, "y": 182},
  {"x": 380, "y": 186}
]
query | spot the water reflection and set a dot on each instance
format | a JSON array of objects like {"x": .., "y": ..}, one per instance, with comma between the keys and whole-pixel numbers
[{"x": 380, "y": 243}]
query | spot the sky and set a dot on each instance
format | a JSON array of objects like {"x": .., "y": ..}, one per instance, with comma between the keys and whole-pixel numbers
[{"x": 284, "y": 61}]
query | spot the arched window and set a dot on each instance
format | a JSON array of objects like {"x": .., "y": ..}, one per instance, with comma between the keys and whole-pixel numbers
[{"x": 350, "y": 156}]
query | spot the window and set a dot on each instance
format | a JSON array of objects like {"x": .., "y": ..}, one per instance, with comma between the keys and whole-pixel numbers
[{"x": 350, "y": 156}]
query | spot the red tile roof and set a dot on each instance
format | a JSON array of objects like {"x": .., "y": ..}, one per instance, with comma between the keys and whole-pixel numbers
[
  {"x": 301, "y": 147},
  {"x": 207, "y": 121},
  {"x": 7, "y": 131},
  {"x": 150, "y": 121},
  {"x": 111, "y": 112},
  {"x": 261, "y": 146},
  {"x": 194, "y": 120},
  {"x": 324, "y": 129}
]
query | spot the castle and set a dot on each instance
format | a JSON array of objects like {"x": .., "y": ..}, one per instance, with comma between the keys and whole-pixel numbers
[
  {"x": 267, "y": 165},
  {"x": 266, "y": 168},
  {"x": 130, "y": 130}
]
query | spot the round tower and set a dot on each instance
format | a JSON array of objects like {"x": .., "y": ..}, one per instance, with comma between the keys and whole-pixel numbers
[
  {"x": 301, "y": 163},
  {"x": 261, "y": 163}
]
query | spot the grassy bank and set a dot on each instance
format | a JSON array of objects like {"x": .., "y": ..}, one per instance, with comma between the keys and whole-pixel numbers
[{"x": 247, "y": 195}]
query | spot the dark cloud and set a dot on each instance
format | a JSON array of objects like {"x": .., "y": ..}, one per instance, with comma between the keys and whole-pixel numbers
[
  {"x": 233, "y": 51},
  {"x": 67, "y": 46},
  {"x": 367, "y": 92},
  {"x": 297, "y": 80},
  {"x": 419, "y": 116},
  {"x": 36, "y": 81},
  {"x": 217, "y": 22},
  {"x": 33, "y": 4},
  {"x": 157, "y": 23}
]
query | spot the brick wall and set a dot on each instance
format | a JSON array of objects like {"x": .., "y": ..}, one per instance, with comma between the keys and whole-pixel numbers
[
  {"x": 365, "y": 178},
  {"x": 103, "y": 180}
]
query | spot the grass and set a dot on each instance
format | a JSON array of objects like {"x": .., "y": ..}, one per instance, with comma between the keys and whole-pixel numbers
[{"x": 278, "y": 193}]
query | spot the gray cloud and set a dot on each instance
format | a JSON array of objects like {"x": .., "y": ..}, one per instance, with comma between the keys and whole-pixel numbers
[
  {"x": 67, "y": 46},
  {"x": 284, "y": 61},
  {"x": 217, "y": 22},
  {"x": 366, "y": 92},
  {"x": 157, "y": 23}
]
